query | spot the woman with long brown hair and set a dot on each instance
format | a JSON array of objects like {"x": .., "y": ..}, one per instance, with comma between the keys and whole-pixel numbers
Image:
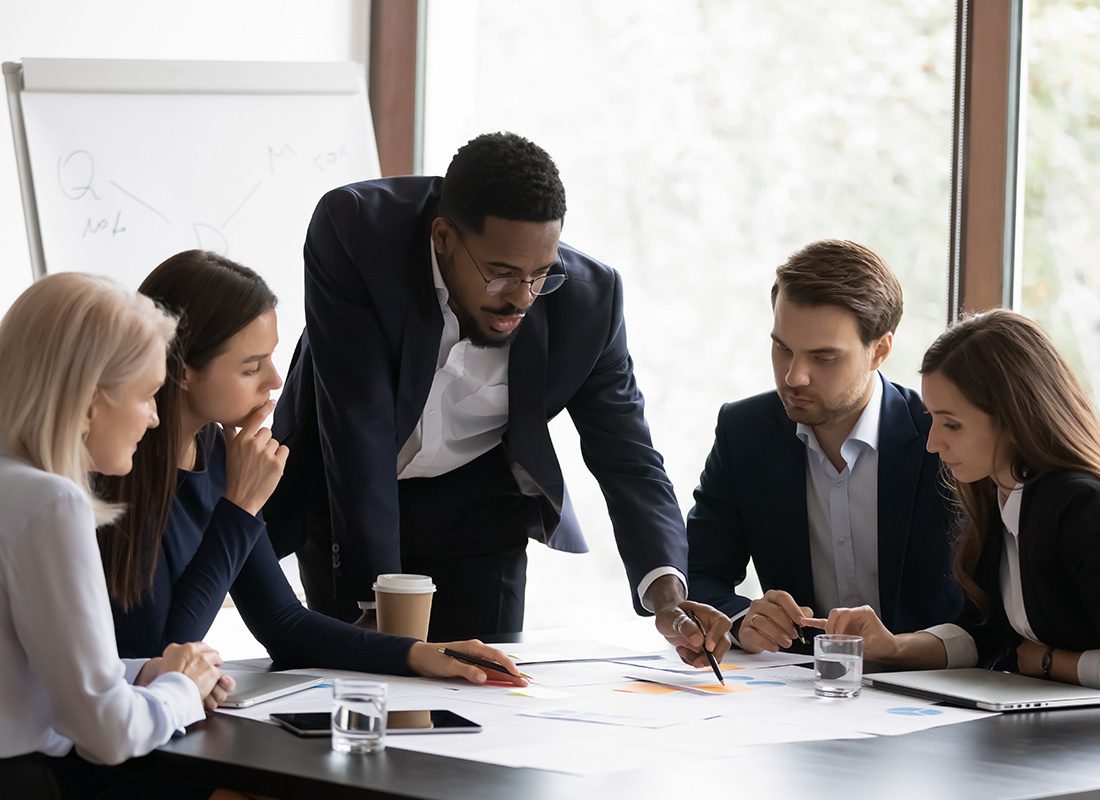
[
  {"x": 194, "y": 530},
  {"x": 1021, "y": 444}
]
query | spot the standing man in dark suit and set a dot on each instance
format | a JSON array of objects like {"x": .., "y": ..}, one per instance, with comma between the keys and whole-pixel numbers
[
  {"x": 445, "y": 325},
  {"x": 825, "y": 483}
]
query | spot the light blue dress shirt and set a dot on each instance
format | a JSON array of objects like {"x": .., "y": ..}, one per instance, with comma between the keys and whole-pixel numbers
[{"x": 842, "y": 509}]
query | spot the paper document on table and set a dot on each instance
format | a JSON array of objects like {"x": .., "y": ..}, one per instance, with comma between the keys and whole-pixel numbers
[
  {"x": 581, "y": 650},
  {"x": 602, "y": 718},
  {"x": 733, "y": 660},
  {"x": 874, "y": 712},
  {"x": 777, "y": 680},
  {"x": 580, "y": 673},
  {"x": 584, "y": 748}
]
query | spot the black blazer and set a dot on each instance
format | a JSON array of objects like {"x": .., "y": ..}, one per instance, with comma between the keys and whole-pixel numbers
[
  {"x": 364, "y": 366},
  {"x": 1059, "y": 542},
  {"x": 751, "y": 503}
]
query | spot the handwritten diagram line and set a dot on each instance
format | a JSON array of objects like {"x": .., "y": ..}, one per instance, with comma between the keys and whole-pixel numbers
[
  {"x": 139, "y": 201},
  {"x": 247, "y": 197}
]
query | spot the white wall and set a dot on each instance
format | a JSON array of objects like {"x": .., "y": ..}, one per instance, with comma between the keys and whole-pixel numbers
[{"x": 247, "y": 30}]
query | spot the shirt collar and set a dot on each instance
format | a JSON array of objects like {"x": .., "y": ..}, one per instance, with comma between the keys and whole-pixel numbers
[
  {"x": 866, "y": 429},
  {"x": 437, "y": 277},
  {"x": 1010, "y": 511}
]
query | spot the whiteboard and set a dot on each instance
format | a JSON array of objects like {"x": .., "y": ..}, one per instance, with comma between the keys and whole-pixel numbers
[{"x": 132, "y": 161}]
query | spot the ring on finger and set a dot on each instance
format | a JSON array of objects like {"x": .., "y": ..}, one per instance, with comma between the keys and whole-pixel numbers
[{"x": 679, "y": 623}]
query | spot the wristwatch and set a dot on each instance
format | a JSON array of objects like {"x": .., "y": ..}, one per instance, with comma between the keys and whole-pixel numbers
[{"x": 1046, "y": 662}]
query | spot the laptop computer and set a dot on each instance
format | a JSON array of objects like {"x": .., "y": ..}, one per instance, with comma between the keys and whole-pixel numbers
[
  {"x": 984, "y": 689},
  {"x": 256, "y": 687}
]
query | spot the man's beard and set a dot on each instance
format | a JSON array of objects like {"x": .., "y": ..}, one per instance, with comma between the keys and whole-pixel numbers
[
  {"x": 473, "y": 331},
  {"x": 826, "y": 414}
]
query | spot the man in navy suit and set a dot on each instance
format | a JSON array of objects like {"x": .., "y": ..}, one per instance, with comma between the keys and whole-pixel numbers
[
  {"x": 445, "y": 325},
  {"x": 825, "y": 483}
]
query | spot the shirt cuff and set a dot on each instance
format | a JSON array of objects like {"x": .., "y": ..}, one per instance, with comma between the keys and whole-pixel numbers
[
  {"x": 653, "y": 575},
  {"x": 1088, "y": 669},
  {"x": 131, "y": 667},
  {"x": 179, "y": 697},
  {"x": 961, "y": 649},
  {"x": 733, "y": 619},
  {"x": 367, "y": 605}
]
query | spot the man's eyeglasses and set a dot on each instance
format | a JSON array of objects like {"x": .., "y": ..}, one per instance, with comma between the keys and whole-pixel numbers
[{"x": 540, "y": 285}]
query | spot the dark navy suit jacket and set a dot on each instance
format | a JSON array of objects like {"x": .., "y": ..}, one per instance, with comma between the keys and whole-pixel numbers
[
  {"x": 1059, "y": 541},
  {"x": 364, "y": 366},
  {"x": 751, "y": 503}
]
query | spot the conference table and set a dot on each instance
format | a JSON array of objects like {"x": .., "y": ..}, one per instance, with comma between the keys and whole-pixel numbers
[{"x": 1049, "y": 754}]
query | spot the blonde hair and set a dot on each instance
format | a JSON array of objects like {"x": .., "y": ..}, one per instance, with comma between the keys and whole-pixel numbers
[{"x": 64, "y": 338}]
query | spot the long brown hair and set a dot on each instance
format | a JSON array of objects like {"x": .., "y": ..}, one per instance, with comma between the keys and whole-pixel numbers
[
  {"x": 1006, "y": 366},
  {"x": 215, "y": 298}
]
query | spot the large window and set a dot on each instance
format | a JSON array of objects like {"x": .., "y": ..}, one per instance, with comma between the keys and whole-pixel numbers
[
  {"x": 1058, "y": 262},
  {"x": 701, "y": 142}
]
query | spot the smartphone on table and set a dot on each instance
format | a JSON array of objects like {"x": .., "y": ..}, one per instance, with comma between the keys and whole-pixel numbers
[{"x": 319, "y": 723}]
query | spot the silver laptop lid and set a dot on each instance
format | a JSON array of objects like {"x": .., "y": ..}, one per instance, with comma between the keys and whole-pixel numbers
[
  {"x": 985, "y": 689},
  {"x": 256, "y": 687}
]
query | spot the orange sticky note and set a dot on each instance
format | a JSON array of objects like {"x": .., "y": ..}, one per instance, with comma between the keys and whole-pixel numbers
[
  {"x": 647, "y": 688},
  {"x": 720, "y": 689}
]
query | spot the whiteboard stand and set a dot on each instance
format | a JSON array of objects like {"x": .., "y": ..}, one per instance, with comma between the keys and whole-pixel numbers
[{"x": 13, "y": 83}]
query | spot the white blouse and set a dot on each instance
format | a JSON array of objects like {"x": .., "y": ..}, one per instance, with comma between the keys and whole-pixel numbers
[
  {"x": 61, "y": 680},
  {"x": 961, "y": 649}
]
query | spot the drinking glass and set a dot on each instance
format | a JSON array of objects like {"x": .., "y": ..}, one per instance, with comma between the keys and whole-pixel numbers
[
  {"x": 838, "y": 665},
  {"x": 358, "y": 715}
]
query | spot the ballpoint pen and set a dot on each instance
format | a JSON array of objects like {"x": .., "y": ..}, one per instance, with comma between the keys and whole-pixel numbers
[
  {"x": 478, "y": 662},
  {"x": 710, "y": 655}
]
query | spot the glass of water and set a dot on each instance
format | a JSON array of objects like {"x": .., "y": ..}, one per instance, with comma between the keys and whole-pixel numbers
[
  {"x": 838, "y": 665},
  {"x": 358, "y": 715}
]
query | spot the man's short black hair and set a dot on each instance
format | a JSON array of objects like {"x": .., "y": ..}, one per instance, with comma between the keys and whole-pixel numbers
[{"x": 502, "y": 175}]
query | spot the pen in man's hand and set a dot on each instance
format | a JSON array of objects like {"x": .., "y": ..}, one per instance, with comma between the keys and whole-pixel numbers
[
  {"x": 478, "y": 662},
  {"x": 710, "y": 655}
]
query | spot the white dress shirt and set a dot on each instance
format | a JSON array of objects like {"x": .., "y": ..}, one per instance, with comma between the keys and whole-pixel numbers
[
  {"x": 842, "y": 511},
  {"x": 61, "y": 680},
  {"x": 466, "y": 413},
  {"x": 961, "y": 648}
]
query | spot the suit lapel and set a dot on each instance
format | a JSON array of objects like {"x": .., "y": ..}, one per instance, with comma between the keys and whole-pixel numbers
[
  {"x": 528, "y": 436},
  {"x": 901, "y": 455},
  {"x": 422, "y": 332}
]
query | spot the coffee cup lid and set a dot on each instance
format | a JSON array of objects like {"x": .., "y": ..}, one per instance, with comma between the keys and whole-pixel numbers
[{"x": 401, "y": 583}]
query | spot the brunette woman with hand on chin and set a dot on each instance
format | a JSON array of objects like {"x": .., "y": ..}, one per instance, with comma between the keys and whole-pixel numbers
[
  {"x": 194, "y": 531},
  {"x": 1021, "y": 443},
  {"x": 81, "y": 359}
]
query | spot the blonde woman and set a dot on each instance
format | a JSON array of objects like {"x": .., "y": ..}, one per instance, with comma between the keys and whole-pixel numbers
[{"x": 81, "y": 359}]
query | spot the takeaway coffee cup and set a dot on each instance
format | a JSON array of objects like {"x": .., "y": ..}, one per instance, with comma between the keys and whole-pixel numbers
[{"x": 404, "y": 604}]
